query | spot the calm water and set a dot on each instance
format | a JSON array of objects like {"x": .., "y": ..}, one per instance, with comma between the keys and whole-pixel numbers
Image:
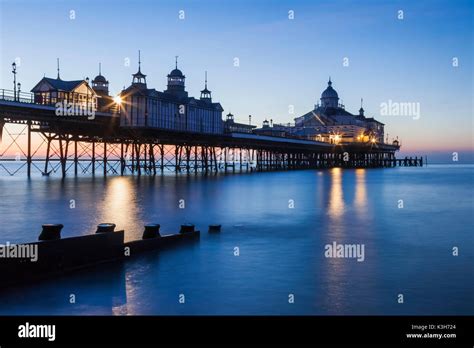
[{"x": 407, "y": 251}]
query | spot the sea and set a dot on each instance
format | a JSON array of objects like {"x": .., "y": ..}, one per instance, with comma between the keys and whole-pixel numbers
[{"x": 412, "y": 226}]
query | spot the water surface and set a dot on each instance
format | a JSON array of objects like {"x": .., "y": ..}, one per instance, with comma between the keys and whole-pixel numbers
[{"x": 281, "y": 249}]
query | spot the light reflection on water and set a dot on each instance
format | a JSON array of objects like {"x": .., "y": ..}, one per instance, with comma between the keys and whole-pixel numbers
[
  {"x": 360, "y": 193},
  {"x": 281, "y": 249},
  {"x": 120, "y": 206}
]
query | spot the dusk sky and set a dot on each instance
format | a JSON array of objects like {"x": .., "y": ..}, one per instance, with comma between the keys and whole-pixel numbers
[{"x": 283, "y": 61}]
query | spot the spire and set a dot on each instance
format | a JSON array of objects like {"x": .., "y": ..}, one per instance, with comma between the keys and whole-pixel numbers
[
  {"x": 176, "y": 62},
  {"x": 205, "y": 83},
  {"x": 100, "y": 73},
  {"x": 361, "y": 110},
  {"x": 329, "y": 82},
  {"x": 138, "y": 77},
  {"x": 139, "y": 61},
  {"x": 57, "y": 60}
]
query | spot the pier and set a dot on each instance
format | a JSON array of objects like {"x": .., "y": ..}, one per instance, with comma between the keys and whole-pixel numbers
[{"x": 80, "y": 145}]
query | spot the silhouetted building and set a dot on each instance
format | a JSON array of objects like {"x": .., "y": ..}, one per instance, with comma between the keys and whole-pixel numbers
[
  {"x": 330, "y": 122},
  {"x": 100, "y": 85},
  {"x": 171, "y": 109},
  {"x": 234, "y": 127},
  {"x": 51, "y": 91},
  {"x": 268, "y": 128}
]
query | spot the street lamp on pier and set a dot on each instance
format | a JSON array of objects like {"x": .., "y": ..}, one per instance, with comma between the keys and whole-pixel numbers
[
  {"x": 87, "y": 93},
  {"x": 14, "y": 80}
]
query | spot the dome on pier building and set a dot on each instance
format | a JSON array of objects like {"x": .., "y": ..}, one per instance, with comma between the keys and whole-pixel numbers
[
  {"x": 100, "y": 84},
  {"x": 176, "y": 80},
  {"x": 176, "y": 73},
  {"x": 329, "y": 97}
]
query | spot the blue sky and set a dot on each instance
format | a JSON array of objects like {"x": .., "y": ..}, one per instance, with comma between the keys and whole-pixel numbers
[{"x": 282, "y": 62}]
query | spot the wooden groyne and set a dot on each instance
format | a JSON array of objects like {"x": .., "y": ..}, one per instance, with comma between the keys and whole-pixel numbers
[{"x": 55, "y": 256}]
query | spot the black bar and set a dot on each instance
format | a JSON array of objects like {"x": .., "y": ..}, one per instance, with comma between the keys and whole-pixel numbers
[{"x": 256, "y": 329}]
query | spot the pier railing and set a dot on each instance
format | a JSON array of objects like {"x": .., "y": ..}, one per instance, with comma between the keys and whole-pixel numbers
[
  {"x": 81, "y": 99},
  {"x": 18, "y": 96}
]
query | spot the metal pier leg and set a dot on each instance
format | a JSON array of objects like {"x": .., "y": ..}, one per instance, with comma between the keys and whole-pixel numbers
[
  {"x": 2, "y": 124},
  {"x": 48, "y": 149},
  {"x": 206, "y": 160},
  {"x": 105, "y": 158},
  {"x": 144, "y": 161},
  {"x": 162, "y": 155},
  {"x": 28, "y": 158},
  {"x": 152, "y": 158},
  {"x": 75, "y": 157},
  {"x": 233, "y": 158},
  {"x": 93, "y": 158},
  {"x": 137, "y": 155},
  {"x": 202, "y": 159},
  {"x": 122, "y": 160},
  {"x": 188, "y": 158},
  {"x": 63, "y": 154},
  {"x": 240, "y": 159},
  {"x": 225, "y": 160},
  {"x": 216, "y": 168},
  {"x": 176, "y": 154},
  {"x": 195, "y": 159},
  {"x": 180, "y": 157}
]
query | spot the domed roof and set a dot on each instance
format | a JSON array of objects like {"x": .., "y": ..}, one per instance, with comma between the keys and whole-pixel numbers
[
  {"x": 329, "y": 92},
  {"x": 100, "y": 78},
  {"x": 176, "y": 73}
]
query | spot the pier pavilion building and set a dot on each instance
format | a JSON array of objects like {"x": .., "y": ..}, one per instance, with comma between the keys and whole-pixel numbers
[
  {"x": 231, "y": 126},
  {"x": 51, "y": 91},
  {"x": 171, "y": 109},
  {"x": 329, "y": 121}
]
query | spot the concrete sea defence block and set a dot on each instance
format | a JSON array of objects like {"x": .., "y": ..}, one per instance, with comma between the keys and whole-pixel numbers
[{"x": 58, "y": 256}]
